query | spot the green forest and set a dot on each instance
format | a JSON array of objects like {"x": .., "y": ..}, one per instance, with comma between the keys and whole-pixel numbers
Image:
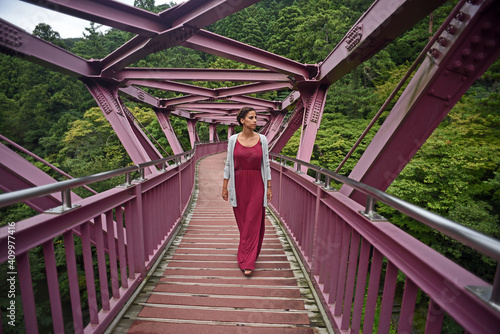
[{"x": 455, "y": 174}]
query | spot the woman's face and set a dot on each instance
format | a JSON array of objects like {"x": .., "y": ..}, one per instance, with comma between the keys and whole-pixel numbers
[{"x": 250, "y": 120}]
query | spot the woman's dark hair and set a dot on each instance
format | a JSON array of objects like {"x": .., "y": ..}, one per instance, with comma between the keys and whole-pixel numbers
[{"x": 243, "y": 113}]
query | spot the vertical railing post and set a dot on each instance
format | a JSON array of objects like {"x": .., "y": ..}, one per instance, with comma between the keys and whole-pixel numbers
[
  {"x": 370, "y": 203},
  {"x": 318, "y": 178},
  {"x": 179, "y": 167},
  {"x": 314, "y": 242},
  {"x": 328, "y": 184},
  {"x": 280, "y": 188},
  {"x": 138, "y": 225},
  {"x": 495, "y": 293},
  {"x": 27, "y": 295},
  {"x": 369, "y": 212},
  {"x": 66, "y": 199},
  {"x": 299, "y": 168}
]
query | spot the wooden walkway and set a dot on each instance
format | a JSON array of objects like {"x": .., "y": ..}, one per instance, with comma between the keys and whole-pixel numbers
[{"x": 198, "y": 288}]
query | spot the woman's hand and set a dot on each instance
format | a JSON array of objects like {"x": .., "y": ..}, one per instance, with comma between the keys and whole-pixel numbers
[
  {"x": 225, "y": 193},
  {"x": 269, "y": 194}
]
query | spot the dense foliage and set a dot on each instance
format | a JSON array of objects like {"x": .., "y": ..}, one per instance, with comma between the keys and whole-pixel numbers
[{"x": 455, "y": 174}]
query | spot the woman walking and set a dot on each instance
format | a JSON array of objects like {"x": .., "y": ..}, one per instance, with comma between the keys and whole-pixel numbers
[{"x": 248, "y": 174}]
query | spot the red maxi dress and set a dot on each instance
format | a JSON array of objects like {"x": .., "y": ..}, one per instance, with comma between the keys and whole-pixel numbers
[{"x": 250, "y": 210}]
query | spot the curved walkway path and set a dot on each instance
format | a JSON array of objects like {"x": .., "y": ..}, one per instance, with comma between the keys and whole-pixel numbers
[{"x": 197, "y": 286}]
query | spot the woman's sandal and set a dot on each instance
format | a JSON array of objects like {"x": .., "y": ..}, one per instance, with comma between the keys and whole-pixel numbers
[{"x": 248, "y": 272}]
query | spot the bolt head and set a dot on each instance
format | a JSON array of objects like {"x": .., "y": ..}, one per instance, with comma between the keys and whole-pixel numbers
[
  {"x": 490, "y": 44},
  {"x": 451, "y": 29},
  {"x": 442, "y": 41},
  {"x": 469, "y": 69},
  {"x": 476, "y": 40},
  {"x": 457, "y": 64},
  {"x": 479, "y": 56},
  {"x": 460, "y": 16}
]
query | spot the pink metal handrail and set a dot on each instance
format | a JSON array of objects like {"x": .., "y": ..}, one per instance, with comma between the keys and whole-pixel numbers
[
  {"x": 343, "y": 250},
  {"x": 35, "y": 192},
  {"x": 142, "y": 219},
  {"x": 46, "y": 163}
]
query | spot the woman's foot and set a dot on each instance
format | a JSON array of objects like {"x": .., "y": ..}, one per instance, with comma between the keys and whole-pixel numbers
[{"x": 248, "y": 272}]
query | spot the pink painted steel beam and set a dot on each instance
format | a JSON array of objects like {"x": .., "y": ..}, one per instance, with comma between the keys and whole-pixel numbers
[
  {"x": 262, "y": 119},
  {"x": 169, "y": 132},
  {"x": 219, "y": 105},
  {"x": 127, "y": 48},
  {"x": 255, "y": 102},
  {"x": 279, "y": 128},
  {"x": 213, "y": 114},
  {"x": 274, "y": 125},
  {"x": 110, "y": 13},
  {"x": 290, "y": 99},
  {"x": 201, "y": 93},
  {"x": 174, "y": 87},
  {"x": 181, "y": 113},
  {"x": 210, "y": 113},
  {"x": 384, "y": 21},
  {"x": 185, "y": 23},
  {"x": 212, "y": 132},
  {"x": 228, "y": 48},
  {"x": 253, "y": 88},
  {"x": 188, "y": 101},
  {"x": 264, "y": 130},
  {"x": 293, "y": 123},
  {"x": 38, "y": 51},
  {"x": 139, "y": 134},
  {"x": 181, "y": 100},
  {"x": 17, "y": 173},
  {"x": 140, "y": 95},
  {"x": 201, "y": 13},
  {"x": 163, "y": 41},
  {"x": 226, "y": 120},
  {"x": 193, "y": 134},
  {"x": 201, "y": 74},
  {"x": 464, "y": 51},
  {"x": 315, "y": 97},
  {"x": 113, "y": 110}
]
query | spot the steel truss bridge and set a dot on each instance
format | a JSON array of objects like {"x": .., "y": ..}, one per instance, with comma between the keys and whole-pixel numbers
[{"x": 344, "y": 245}]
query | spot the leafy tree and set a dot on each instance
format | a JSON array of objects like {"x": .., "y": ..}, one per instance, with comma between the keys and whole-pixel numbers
[
  {"x": 145, "y": 4},
  {"x": 252, "y": 33},
  {"x": 316, "y": 36},
  {"x": 7, "y": 115},
  {"x": 91, "y": 146},
  {"x": 285, "y": 31},
  {"x": 45, "y": 32},
  {"x": 336, "y": 136},
  {"x": 93, "y": 45}
]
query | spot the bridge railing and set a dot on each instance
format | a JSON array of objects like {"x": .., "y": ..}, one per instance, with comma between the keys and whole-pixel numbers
[
  {"x": 117, "y": 235},
  {"x": 365, "y": 268}
]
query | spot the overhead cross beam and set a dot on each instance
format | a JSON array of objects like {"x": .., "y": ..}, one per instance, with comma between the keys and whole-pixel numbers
[
  {"x": 383, "y": 22},
  {"x": 228, "y": 48},
  {"x": 20, "y": 43},
  {"x": 110, "y": 13},
  {"x": 201, "y": 74}
]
